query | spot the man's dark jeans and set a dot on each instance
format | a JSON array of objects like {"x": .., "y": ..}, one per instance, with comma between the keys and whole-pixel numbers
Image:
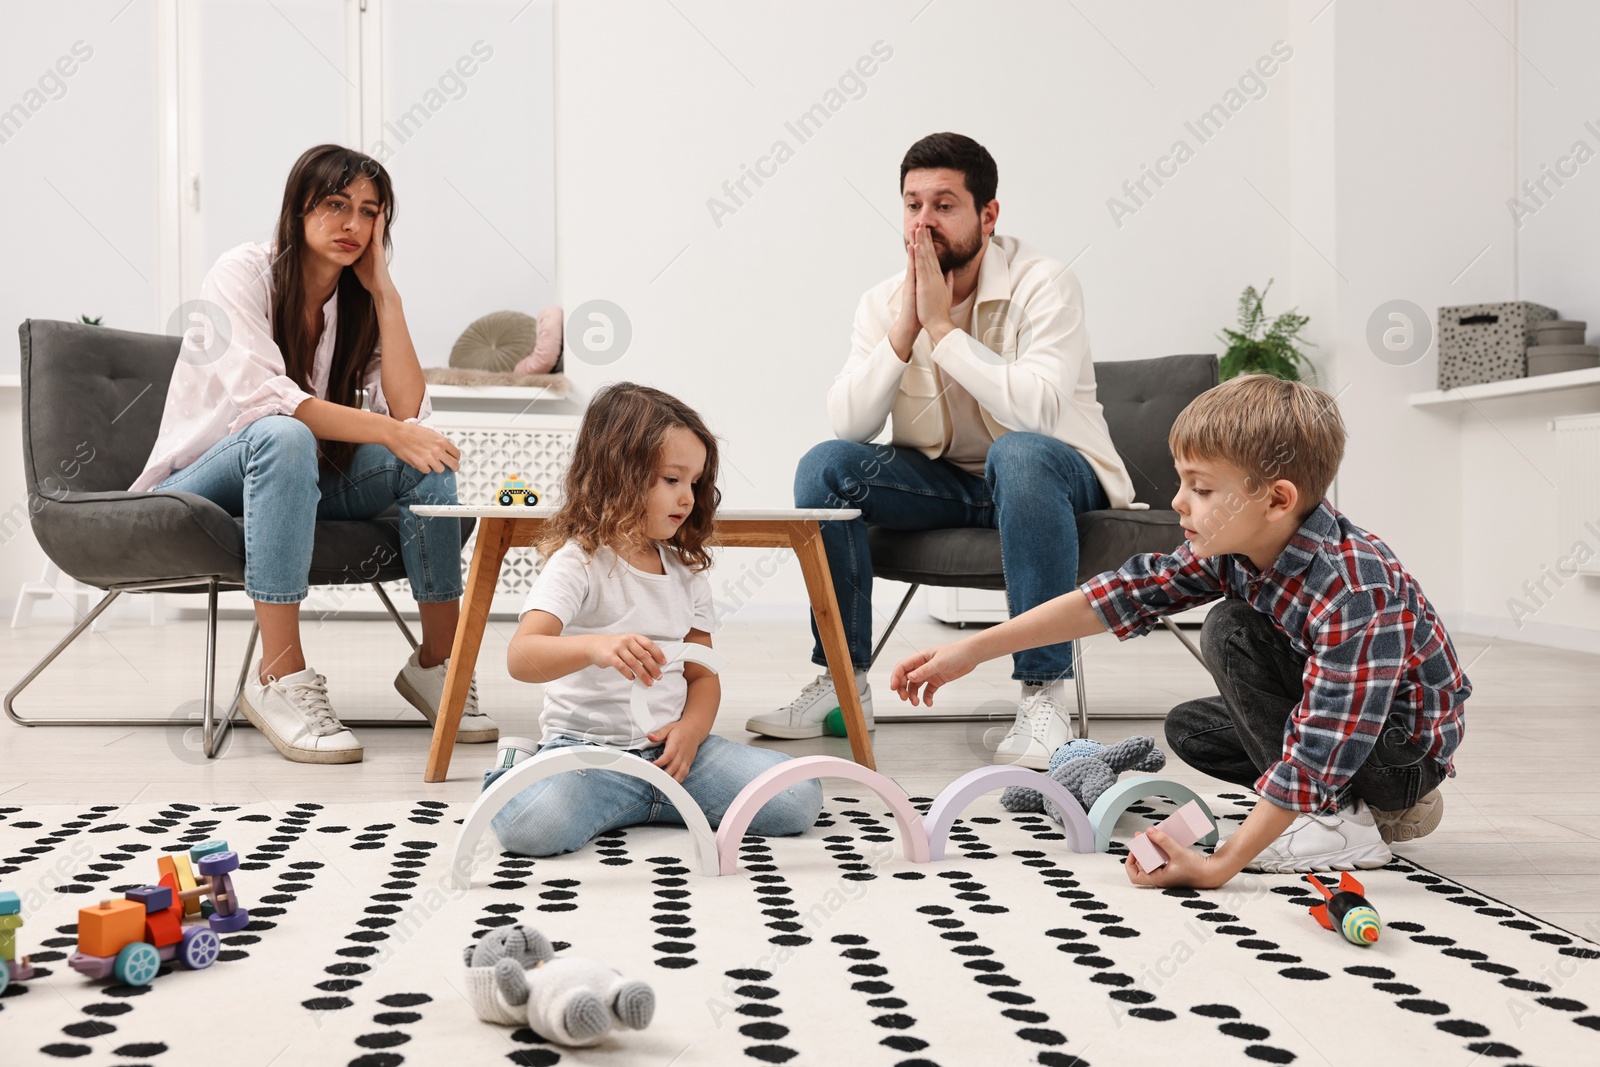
[
  {"x": 1238, "y": 735},
  {"x": 1032, "y": 491}
]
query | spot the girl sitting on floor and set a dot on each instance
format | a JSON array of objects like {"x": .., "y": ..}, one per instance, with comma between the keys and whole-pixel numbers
[{"x": 625, "y": 571}]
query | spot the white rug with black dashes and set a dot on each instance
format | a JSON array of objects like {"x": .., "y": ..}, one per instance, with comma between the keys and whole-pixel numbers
[{"x": 826, "y": 949}]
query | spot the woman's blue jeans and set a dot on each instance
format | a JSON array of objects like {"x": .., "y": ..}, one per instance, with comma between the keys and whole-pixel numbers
[
  {"x": 1032, "y": 490},
  {"x": 268, "y": 474}
]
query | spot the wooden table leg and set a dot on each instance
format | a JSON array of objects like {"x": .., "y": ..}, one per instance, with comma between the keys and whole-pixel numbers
[
  {"x": 806, "y": 539},
  {"x": 494, "y": 537}
]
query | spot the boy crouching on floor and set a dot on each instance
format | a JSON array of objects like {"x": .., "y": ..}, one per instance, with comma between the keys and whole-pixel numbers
[{"x": 1341, "y": 696}]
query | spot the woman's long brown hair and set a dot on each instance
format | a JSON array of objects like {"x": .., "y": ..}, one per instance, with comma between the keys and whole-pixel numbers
[
  {"x": 318, "y": 174},
  {"x": 613, "y": 467}
]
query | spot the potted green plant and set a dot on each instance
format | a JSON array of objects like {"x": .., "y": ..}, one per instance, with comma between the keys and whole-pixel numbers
[{"x": 1262, "y": 347}]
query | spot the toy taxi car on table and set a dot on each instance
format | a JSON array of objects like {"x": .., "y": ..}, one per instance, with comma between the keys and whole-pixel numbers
[{"x": 516, "y": 489}]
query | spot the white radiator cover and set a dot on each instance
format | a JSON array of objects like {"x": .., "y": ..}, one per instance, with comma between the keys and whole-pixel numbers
[
  {"x": 495, "y": 445},
  {"x": 1578, "y": 472}
]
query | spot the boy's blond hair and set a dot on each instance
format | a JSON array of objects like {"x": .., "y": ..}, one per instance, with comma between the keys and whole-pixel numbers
[{"x": 1268, "y": 428}]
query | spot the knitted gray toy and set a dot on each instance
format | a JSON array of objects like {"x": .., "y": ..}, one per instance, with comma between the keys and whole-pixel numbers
[
  {"x": 1087, "y": 769},
  {"x": 513, "y": 977}
]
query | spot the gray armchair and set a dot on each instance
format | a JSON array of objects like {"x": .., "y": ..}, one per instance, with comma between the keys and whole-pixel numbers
[
  {"x": 1141, "y": 399},
  {"x": 92, "y": 399}
]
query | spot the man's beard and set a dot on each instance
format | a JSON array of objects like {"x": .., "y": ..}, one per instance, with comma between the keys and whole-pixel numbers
[{"x": 953, "y": 257}]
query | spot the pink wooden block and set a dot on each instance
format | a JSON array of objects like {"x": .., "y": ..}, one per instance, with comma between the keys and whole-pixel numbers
[
  {"x": 768, "y": 784},
  {"x": 1185, "y": 826}
]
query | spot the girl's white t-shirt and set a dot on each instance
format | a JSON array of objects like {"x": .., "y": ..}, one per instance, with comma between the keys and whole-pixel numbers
[{"x": 604, "y": 594}]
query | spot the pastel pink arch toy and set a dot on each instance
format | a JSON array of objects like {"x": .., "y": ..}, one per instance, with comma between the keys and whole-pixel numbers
[
  {"x": 768, "y": 784},
  {"x": 955, "y": 797}
]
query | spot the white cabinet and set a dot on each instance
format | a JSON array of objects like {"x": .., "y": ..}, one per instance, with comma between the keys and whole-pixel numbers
[{"x": 502, "y": 434}]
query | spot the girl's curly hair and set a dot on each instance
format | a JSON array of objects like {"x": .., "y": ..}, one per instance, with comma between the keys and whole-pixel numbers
[{"x": 613, "y": 467}]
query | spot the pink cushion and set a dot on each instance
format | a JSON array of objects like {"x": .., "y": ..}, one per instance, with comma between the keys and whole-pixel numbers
[{"x": 546, "y": 345}]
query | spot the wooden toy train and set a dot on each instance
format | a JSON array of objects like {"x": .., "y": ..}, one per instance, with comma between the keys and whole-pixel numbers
[{"x": 131, "y": 938}]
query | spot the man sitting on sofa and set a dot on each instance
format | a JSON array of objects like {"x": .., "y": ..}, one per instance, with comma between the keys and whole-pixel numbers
[{"x": 979, "y": 358}]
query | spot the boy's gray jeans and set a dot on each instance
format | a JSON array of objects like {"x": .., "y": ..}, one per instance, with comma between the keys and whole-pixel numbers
[{"x": 1238, "y": 735}]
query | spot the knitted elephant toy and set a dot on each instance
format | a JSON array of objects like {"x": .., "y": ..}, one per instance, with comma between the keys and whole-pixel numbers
[
  {"x": 514, "y": 977},
  {"x": 1086, "y": 769}
]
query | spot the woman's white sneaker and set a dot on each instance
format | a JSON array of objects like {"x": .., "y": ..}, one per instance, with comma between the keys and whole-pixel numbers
[
  {"x": 294, "y": 714},
  {"x": 1343, "y": 842},
  {"x": 423, "y": 688}
]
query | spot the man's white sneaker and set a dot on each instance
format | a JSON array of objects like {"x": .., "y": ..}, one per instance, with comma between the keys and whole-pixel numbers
[
  {"x": 1343, "y": 842},
  {"x": 294, "y": 714},
  {"x": 804, "y": 717},
  {"x": 1042, "y": 726},
  {"x": 423, "y": 688}
]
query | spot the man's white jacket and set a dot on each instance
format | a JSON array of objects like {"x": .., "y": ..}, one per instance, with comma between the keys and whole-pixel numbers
[{"x": 1028, "y": 367}]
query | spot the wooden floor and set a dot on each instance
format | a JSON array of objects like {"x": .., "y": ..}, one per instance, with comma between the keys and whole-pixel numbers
[{"x": 1522, "y": 818}]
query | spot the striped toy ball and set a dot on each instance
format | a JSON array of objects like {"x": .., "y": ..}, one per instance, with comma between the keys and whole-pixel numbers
[{"x": 1361, "y": 926}]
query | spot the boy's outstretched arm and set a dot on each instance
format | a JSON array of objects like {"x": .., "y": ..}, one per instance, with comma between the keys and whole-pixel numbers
[
  {"x": 1188, "y": 867},
  {"x": 1066, "y": 618}
]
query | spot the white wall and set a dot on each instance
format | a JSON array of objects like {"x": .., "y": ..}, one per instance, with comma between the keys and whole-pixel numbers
[
  {"x": 1376, "y": 166},
  {"x": 1508, "y": 450},
  {"x": 77, "y": 166},
  {"x": 749, "y": 321}
]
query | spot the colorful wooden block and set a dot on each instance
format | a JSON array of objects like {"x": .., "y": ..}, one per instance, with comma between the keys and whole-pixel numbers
[
  {"x": 10, "y": 903},
  {"x": 1185, "y": 826},
  {"x": 168, "y": 869},
  {"x": 186, "y": 881},
  {"x": 206, "y": 848},
  {"x": 109, "y": 925},
  {"x": 10, "y": 922},
  {"x": 162, "y": 928},
  {"x": 153, "y": 897},
  {"x": 8, "y": 945}
]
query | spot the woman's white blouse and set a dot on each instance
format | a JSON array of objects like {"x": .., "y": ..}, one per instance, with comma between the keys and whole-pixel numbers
[{"x": 230, "y": 373}]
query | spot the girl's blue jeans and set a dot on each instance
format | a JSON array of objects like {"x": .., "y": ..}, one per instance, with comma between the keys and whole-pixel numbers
[
  {"x": 267, "y": 473},
  {"x": 564, "y": 812}
]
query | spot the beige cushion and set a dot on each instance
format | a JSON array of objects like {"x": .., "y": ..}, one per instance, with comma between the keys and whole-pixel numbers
[{"x": 496, "y": 342}]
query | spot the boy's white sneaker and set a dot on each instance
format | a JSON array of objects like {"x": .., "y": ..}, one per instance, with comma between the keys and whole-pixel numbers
[
  {"x": 423, "y": 688},
  {"x": 294, "y": 714},
  {"x": 1041, "y": 727},
  {"x": 804, "y": 716},
  {"x": 1347, "y": 841}
]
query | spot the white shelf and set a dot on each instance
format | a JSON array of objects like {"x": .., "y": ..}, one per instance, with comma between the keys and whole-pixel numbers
[
  {"x": 524, "y": 393},
  {"x": 1539, "y": 383}
]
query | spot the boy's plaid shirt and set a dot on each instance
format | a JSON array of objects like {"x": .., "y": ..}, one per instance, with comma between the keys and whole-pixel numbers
[{"x": 1377, "y": 656}]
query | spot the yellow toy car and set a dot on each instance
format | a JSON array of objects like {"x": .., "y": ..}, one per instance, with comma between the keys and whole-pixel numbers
[{"x": 515, "y": 488}]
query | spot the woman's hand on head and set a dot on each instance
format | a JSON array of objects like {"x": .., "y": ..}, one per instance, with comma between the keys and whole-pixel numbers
[
  {"x": 634, "y": 656},
  {"x": 423, "y": 448},
  {"x": 372, "y": 269}
]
